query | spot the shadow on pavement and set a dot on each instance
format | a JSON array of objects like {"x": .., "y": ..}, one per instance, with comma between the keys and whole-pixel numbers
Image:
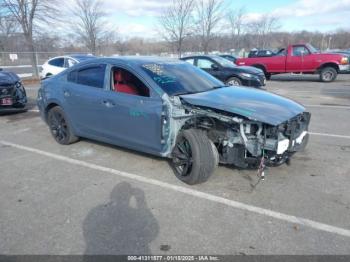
[{"x": 125, "y": 225}]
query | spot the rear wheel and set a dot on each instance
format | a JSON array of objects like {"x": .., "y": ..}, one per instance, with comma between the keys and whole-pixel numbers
[
  {"x": 233, "y": 81},
  {"x": 59, "y": 127},
  {"x": 194, "y": 158},
  {"x": 328, "y": 74}
]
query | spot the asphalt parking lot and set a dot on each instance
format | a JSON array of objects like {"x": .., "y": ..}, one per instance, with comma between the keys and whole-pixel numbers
[{"x": 93, "y": 198}]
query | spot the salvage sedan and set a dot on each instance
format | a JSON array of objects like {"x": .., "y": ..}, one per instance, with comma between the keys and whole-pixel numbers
[
  {"x": 12, "y": 92},
  {"x": 172, "y": 109}
]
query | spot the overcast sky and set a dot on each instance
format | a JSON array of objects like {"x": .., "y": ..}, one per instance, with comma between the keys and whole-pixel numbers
[{"x": 139, "y": 17}]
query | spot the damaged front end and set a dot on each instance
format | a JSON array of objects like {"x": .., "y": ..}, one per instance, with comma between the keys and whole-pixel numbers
[
  {"x": 240, "y": 141},
  {"x": 12, "y": 92},
  {"x": 246, "y": 143}
]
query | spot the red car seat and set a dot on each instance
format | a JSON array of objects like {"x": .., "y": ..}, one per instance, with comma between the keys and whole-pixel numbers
[{"x": 122, "y": 83}]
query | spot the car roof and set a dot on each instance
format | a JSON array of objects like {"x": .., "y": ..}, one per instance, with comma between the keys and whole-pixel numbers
[
  {"x": 78, "y": 57},
  {"x": 197, "y": 56},
  {"x": 81, "y": 58},
  {"x": 136, "y": 60}
]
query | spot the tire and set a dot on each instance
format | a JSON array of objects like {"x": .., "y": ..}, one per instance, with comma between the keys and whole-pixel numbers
[
  {"x": 328, "y": 74},
  {"x": 193, "y": 158},
  {"x": 267, "y": 75},
  {"x": 233, "y": 81},
  {"x": 59, "y": 127}
]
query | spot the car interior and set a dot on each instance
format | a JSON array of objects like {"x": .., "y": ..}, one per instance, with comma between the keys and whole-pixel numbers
[{"x": 125, "y": 82}]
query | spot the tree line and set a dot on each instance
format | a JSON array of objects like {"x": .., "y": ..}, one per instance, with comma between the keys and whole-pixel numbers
[{"x": 184, "y": 26}]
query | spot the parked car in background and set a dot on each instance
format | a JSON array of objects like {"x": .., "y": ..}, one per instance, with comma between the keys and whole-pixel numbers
[
  {"x": 12, "y": 92},
  {"x": 172, "y": 109},
  {"x": 228, "y": 72},
  {"x": 57, "y": 64},
  {"x": 300, "y": 58},
  {"x": 261, "y": 53},
  {"x": 232, "y": 58}
]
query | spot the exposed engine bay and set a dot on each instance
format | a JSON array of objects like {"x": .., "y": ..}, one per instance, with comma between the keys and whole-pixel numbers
[{"x": 244, "y": 142}]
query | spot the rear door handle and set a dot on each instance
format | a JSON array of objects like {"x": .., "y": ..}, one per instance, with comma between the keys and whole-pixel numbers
[{"x": 108, "y": 103}]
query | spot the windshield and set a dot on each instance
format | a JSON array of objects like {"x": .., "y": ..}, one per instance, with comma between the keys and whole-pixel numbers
[
  {"x": 223, "y": 61},
  {"x": 312, "y": 49},
  {"x": 181, "y": 78}
]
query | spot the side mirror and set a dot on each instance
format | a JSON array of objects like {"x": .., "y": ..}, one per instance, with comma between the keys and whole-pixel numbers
[{"x": 214, "y": 67}]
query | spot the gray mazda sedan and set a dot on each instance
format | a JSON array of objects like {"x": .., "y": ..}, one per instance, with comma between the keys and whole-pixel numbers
[{"x": 172, "y": 109}]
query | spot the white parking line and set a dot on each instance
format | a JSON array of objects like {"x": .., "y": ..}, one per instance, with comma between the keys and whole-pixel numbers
[
  {"x": 258, "y": 210},
  {"x": 330, "y": 135},
  {"x": 329, "y": 106},
  {"x": 33, "y": 110}
]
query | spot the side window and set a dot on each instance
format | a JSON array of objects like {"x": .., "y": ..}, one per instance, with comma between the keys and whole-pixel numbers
[
  {"x": 70, "y": 62},
  {"x": 204, "y": 63},
  {"x": 59, "y": 62},
  {"x": 92, "y": 76},
  {"x": 299, "y": 50},
  {"x": 126, "y": 82},
  {"x": 191, "y": 61}
]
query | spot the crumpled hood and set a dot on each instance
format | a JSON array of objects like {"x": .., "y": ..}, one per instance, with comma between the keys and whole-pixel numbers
[
  {"x": 248, "y": 102},
  {"x": 8, "y": 78}
]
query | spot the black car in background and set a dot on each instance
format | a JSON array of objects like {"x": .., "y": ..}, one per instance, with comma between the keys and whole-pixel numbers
[
  {"x": 12, "y": 92},
  {"x": 228, "y": 72},
  {"x": 232, "y": 58}
]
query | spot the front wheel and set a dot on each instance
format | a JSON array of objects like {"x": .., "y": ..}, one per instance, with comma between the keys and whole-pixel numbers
[
  {"x": 59, "y": 127},
  {"x": 328, "y": 74},
  {"x": 194, "y": 158},
  {"x": 233, "y": 81}
]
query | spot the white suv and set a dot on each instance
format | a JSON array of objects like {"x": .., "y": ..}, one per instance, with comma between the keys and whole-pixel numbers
[{"x": 57, "y": 64}]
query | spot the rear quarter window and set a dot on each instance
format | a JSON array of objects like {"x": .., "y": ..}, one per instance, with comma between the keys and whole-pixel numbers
[{"x": 59, "y": 62}]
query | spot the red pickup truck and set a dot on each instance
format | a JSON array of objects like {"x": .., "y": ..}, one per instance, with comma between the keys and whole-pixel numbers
[{"x": 300, "y": 58}]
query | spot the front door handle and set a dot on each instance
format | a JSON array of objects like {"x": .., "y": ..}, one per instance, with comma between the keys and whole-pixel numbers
[{"x": 108, "y": 103}]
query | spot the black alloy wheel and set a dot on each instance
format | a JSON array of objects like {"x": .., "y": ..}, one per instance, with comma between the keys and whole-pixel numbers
[{"x": 182, "y": 157}]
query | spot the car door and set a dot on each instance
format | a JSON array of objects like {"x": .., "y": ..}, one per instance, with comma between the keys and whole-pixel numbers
[
  {"x": 86, "y": 98},
  {"x": 134, "y": 120},
  {"x": 211, "y": 67},
  {"x": 295, "y": 61}
]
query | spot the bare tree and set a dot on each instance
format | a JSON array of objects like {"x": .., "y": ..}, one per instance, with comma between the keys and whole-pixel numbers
[
  {"x": 176, "y": 23},
  {"x": 90, "y": 22},
  {"x": 8, "y": 26},
  {"x": 209, "y": 14},
  {"x": 263, "y": 27},
  {"x": 29, "y": 14},
  {"x": 236, "y": 24}
]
